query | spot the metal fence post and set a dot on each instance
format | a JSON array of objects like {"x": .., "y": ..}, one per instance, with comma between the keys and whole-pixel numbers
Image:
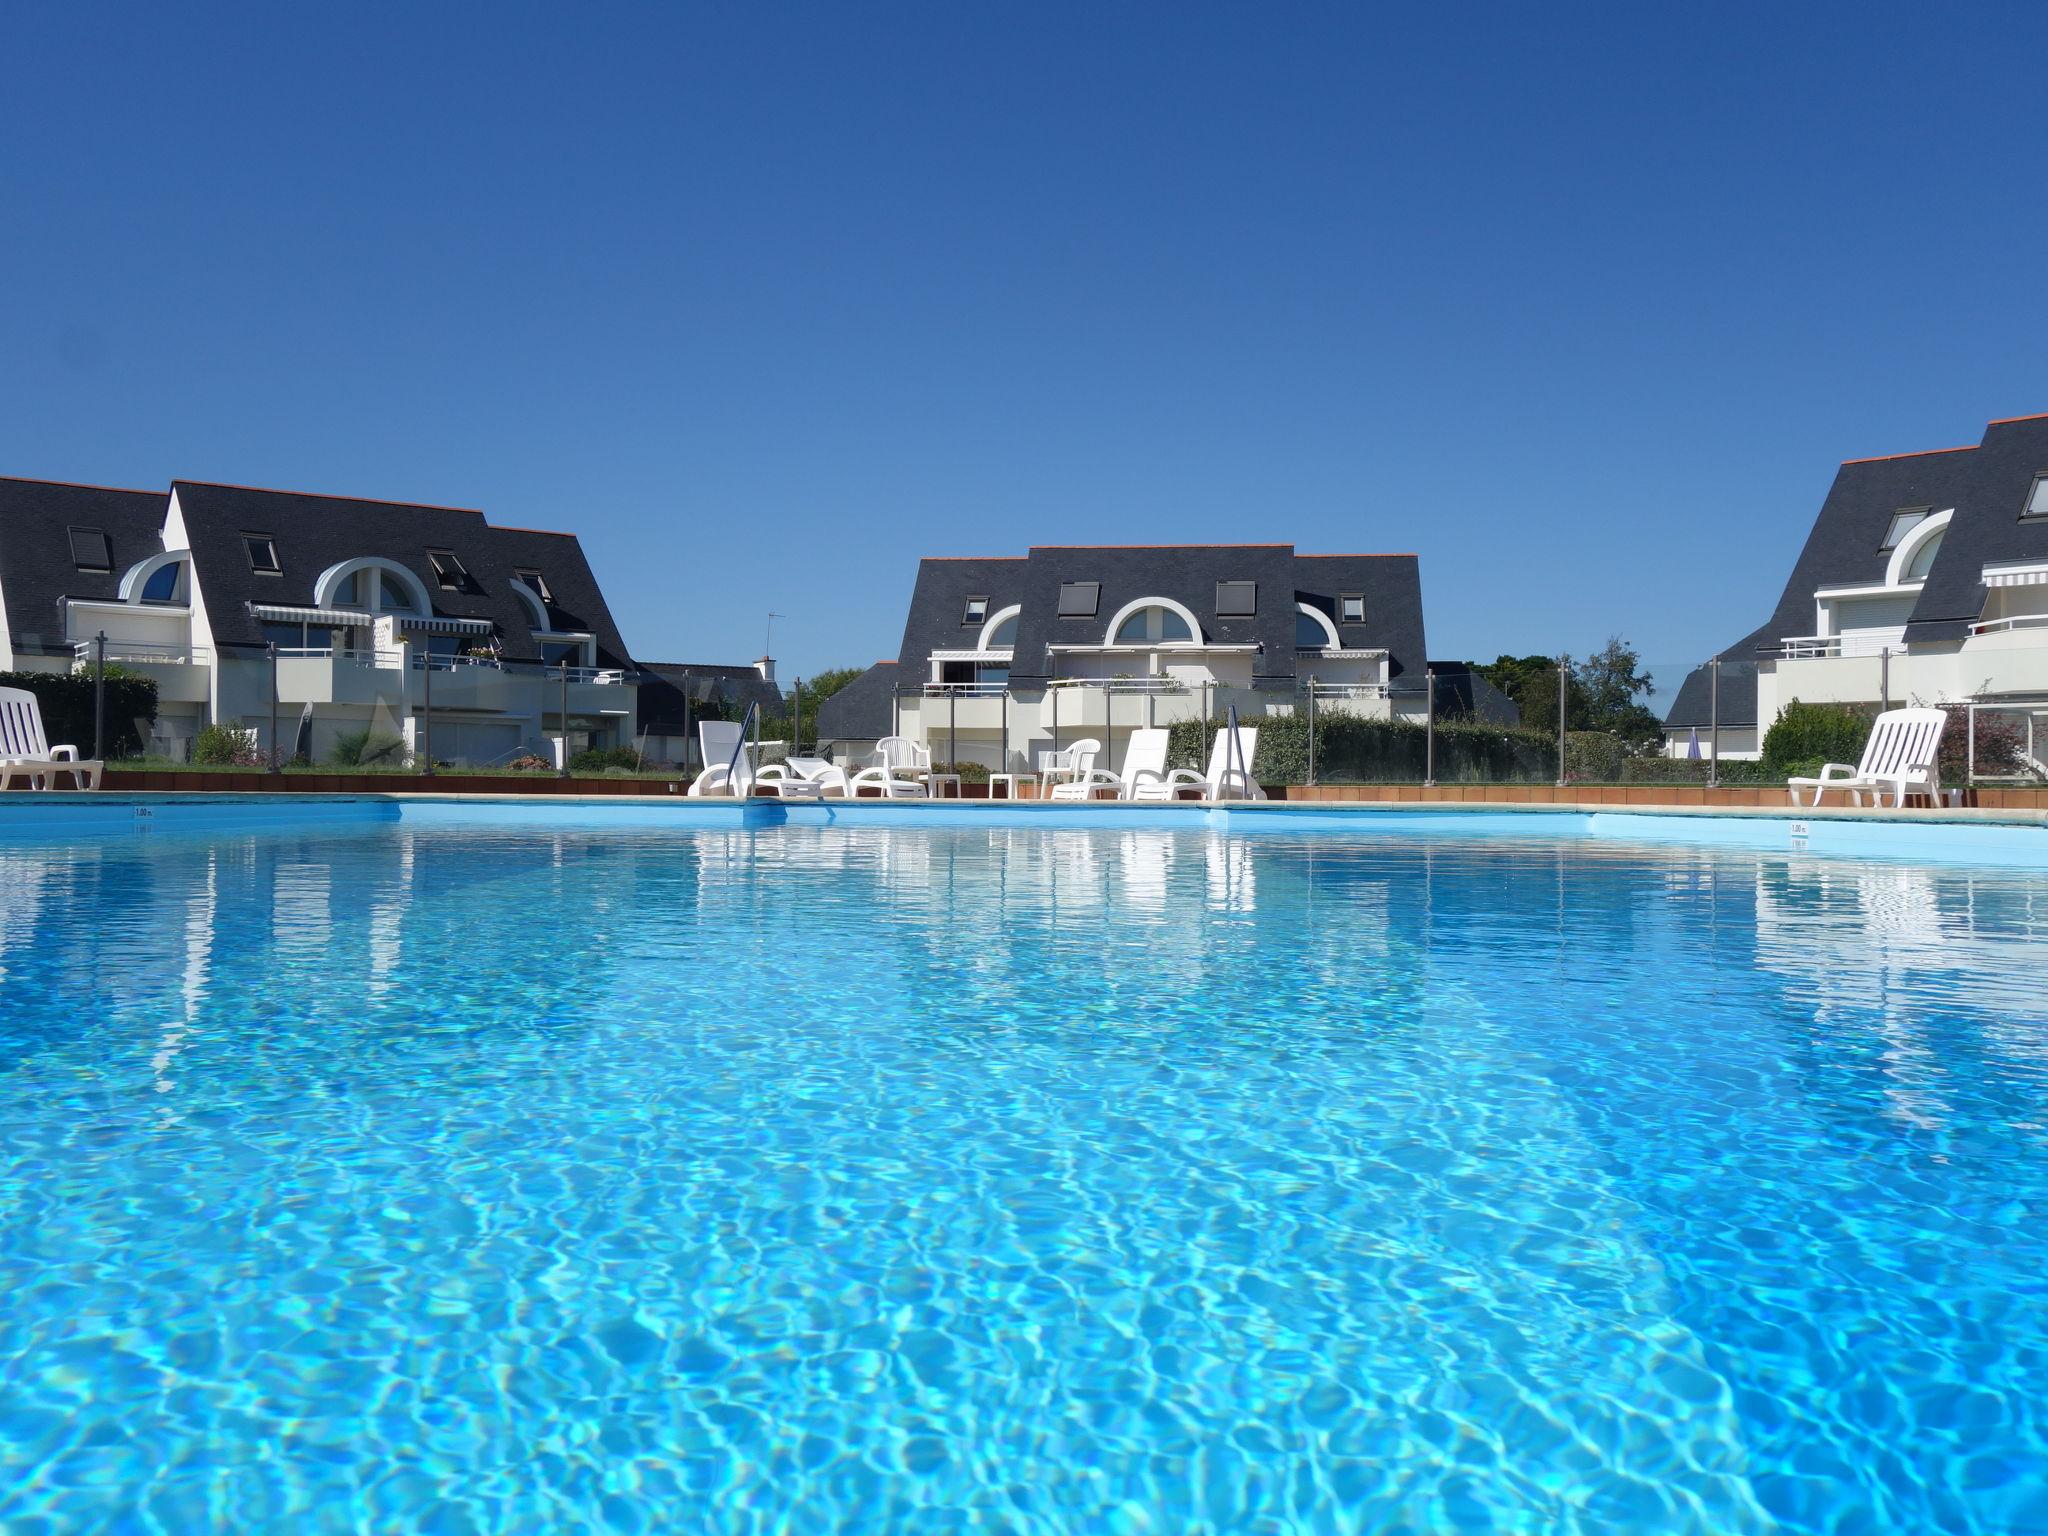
[
  {"x": 1714, "y": 723},
  {"x": 687, "y": 742},
  {"x": 1311, "y": 730},
  {"x": 1429, "y": 731},
  {"x": 896, "y": 710},
  {"x": 796, "y": 712},
  {"x": 1970, "y": 757},
  {"x": 1208, "y": 737},
  {"x": 99, "y": 697},
  {"x": 953, "y": 729},
  {"x": 271, "y": 646},
  {"x": 565, "y": 719},
  {"x": 1884, "y": 678},
  {"x": 427, "y": 709},
  {"x": 1053, "y": 685},
  {"x": 1563, "y": 710},
  {"x": 1003, "y": 753}
]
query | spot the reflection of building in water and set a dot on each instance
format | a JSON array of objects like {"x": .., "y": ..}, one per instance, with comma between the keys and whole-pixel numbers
[{"x": 1898, "y": 951}]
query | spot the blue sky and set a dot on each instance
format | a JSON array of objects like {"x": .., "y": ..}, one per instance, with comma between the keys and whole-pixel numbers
[{"x": 1581, "y": 304}]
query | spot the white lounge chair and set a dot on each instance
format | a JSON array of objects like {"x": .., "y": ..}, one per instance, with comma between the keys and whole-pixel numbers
[
  {"x": 1144, "y": 765},
  {"x": 783, "y": 777},
  {"x": 26, "y": 753},
  {"x": 729, "y": 768},
  {"x": 1068, "y": 765},
  {"x": 897, "y": 760},
  {"x": 1902, "y": 757},
  {"x": 1229, "y": 776}
]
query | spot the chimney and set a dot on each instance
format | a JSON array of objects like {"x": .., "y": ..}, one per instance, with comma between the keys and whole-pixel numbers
[{"x": 766, "y": 667}]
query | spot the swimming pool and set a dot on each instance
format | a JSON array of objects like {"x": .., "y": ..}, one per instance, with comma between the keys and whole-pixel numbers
[{"x": 464, "y": 1171}]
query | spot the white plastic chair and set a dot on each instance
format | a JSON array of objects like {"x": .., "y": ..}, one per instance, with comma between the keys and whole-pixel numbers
[
  {"x": 787, "y": 777},
  {"x": 1229, "y": 775},
  {"x": 1144, "y": 764},
  {"x": 26, "y": 752},
  {"x": 897, "y": 758},
  {"x": 1902, "y": 757},
  {"x": 728, "y": 762}
]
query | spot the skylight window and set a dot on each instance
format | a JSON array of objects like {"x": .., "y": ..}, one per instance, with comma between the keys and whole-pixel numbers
[
  {"x": 1351, "y": 608},
  {"x": 1904, "y": 521},
  {"x": 1237, "y": 599},
  {"x": 448, "y": 570},
  {"x": 2037, "y": 497},
  {"x": 538, "y": 584},
  {"x": 262, "y": 550},
  {"x": 89, "y": 551},
  {"x": 977, "y": 611},
  {"x": 1078, "y": 599}
]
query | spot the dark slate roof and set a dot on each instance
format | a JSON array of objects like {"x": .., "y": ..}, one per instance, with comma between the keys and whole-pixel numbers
[
  {"x": 314, "y": 532},
  {"x": 579, "y": 601},
  {"x": 36, "y": 569},
  {"x": 1187, "y": 573},
  {"x": 664, "y": 683},
  {"x": 1988, "y": 489},
  {"x": 1460, "y": 691},
  {"x": 865, "y": 709},
  {"x": 1696, "y": 704}
]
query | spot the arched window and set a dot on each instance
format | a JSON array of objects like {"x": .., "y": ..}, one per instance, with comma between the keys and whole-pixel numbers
[
  {"x": 162, "y": 586},
  {"x": 536, "y": 610},
  {"x": 370, "y": 583},
  {"x": 1923, "y": 559},
  {"x": 1153, "y": 625},
  {"x": 1005, "y": 633},
  {"x": 1313, "y": 630}
]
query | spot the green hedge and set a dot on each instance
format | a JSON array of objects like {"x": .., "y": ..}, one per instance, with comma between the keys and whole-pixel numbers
[
  {"x": 1806, "y": 735},
  {"x": 1350, "y": 750},
  {"x": 65, "y": 700}
]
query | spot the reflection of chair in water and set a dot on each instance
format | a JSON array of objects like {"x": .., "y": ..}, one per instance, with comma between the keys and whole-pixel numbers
[
  {"x": 1233, "y": 877},
  {"x": 1146, "y": 859}
]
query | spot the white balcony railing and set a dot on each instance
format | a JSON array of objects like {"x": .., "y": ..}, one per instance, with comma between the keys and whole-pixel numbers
[
  {"x": 2017, "y": 621},
  {"x": 1160, "y": 685},
  {"x": 1347, "y": 690},
  {"x": 424, "y": 662},
  {"x": 965, "y": 690},
  {"x": 392, "y": 659},
  {"x": 603, "y": 676},
  {"x": 145, "y": 652}
]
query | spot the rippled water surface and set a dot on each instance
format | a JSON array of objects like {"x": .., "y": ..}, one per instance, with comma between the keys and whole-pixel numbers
[{"x": 509, "y": 1180}]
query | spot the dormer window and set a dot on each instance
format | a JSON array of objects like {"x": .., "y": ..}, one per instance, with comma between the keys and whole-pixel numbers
[
  {"x": 976, "y": 611},
  {"x": 1351, "y": 608},
  {"x": 2037, "y": 497},
  {"x": 1078, "y": 599},
  {"x": 538, "y": 584},
  {"x": 448, "y": 570},
  {"x": 89, "y": 551},
  {"x": 1904, "y": 521},
  {"x": 262, "y": 550},
  {"x": 1237, "y": 599}
]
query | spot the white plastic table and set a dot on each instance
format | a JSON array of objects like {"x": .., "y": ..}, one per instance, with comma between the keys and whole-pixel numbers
[{"x": 1012, "y": 784}]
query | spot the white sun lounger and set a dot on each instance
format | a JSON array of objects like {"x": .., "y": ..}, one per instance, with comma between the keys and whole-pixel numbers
[
  {"x": 26, "y": 753},
  {"x": 897, "y": 758},
  {"x": 1144, "y": 765},
  {"x": 1229, "y": 776},
  {"x": 1902, "y": 757}
]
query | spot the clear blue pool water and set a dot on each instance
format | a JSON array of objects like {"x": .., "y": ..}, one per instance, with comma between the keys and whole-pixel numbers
[{"x": 517, "y": 1178}]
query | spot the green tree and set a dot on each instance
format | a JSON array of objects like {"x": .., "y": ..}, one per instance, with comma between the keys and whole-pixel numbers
[
  {"x": 825, "y": 684},
  {"x": 1613, "y": 682}
]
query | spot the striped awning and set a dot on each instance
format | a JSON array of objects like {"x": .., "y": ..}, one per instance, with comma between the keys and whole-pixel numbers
[
  {"x": 336, "y": 618},
  {"x": 446, "y": 626},
  {"x": 2034, "y": 573}
]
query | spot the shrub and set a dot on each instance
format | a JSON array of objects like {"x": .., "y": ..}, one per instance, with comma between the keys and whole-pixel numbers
[
  {"x": 1351, "y": 749},
  {"x": 603, "y": 759},
  {"x": 530, "y": 763},
  {"x": 368, "y": 749},
  {"x": 224, "y": 746},
  {"x": 1814, "y": 734},
  {"x": 970, "y": 773},
  {"x": 2001, "y": 746},
  {"x": 1693, "y": 770},
  {"x": 65, "y": 700},
  {"x": 1593, "y": 757}
]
